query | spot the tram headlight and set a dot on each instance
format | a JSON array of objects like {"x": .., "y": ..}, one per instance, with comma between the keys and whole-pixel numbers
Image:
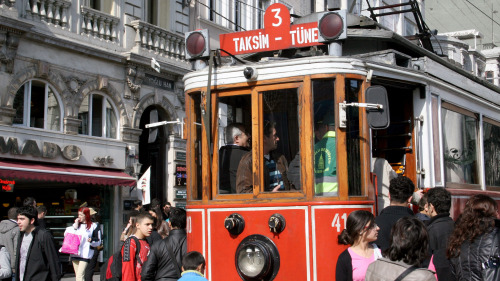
[
  {"x": 257, "y": 258},
  {"x": 332, "y": 26}
]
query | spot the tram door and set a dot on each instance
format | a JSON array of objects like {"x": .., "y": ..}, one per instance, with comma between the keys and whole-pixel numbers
[{"x": 396, "y": 144}]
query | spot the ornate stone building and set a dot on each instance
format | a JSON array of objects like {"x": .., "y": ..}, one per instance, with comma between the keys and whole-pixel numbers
[{"x": 79, "y": 80}]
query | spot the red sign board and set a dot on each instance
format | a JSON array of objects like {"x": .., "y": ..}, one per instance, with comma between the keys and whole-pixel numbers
[
  {"x": 7, "y": 185},
  {"x": 277, "y": 34}
]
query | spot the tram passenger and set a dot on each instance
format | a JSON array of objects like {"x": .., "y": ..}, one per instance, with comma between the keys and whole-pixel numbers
[
  {"x": 237, "y": 144},
  {"x": 400, "y": 192},
  {"x": 408, "y": 249},
  {"x": 325, "y": 157},
  {"x": 360, "y": 232},
  {"x": 275, "y": 168}
]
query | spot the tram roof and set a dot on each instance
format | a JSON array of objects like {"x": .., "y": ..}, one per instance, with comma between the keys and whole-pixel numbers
[{"x": 367, "y": 44}]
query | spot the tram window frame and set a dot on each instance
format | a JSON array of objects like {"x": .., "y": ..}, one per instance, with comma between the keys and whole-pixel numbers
[
  {"x": 298, "y": 87},
  {"x": 215, "y": 190},
  {"x": 449, "y": 184},
  {"x": 494, "y": 123},
  {"x": 193, "y": 101}
]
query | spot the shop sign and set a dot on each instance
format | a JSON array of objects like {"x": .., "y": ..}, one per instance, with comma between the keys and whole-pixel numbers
[
  {"x": 180, "y": 175},
  {"x": 47, "y": 150},
  {"x": 180, "y": 194},
  {"x": 159, "y": 82},
  {"x": 180, "y": 205},
  {"x": 180, "y": 156},
  {"x": 7, "y": 185}
]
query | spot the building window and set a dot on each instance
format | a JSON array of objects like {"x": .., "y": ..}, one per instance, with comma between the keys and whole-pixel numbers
[
  {"x": 489, "y": 76},
  {"x": 459, "y": 145},
  {"x": 98, "y": 117},
  {"x": 235, "y": 14},
  {"x": 38, "y": 106}
]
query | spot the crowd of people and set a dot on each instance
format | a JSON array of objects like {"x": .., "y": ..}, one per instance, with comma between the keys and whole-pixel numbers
[
  {"x": 429, "y": 245},
  {"x": 153, "y": 245}
]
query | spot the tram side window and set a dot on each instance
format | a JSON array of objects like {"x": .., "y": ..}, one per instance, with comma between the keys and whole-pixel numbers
[
  {"x": 459, "y": 146},
  {"x": 325, "y": 147},
  {"x": 234, "y": 115},
  {"x": 280, "y": 140},
  {"x": 195, "y": 147},
  {"x": 491, "y": 136}
]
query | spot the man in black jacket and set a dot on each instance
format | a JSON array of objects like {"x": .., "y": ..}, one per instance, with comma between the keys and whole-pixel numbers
[
  {"x": 37, "y": 258},
  {"x": 440, "y": 227},
  {"x": 165, "y": 257},
  {"x": 237, "y": 144},
  {"x": 400, "y": 195}
]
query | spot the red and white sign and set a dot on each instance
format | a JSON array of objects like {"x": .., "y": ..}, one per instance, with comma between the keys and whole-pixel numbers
[{"x": 277, "y": 34}]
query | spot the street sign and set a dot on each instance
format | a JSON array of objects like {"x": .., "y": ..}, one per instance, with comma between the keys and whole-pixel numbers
[{"x": 277, "y": 34}]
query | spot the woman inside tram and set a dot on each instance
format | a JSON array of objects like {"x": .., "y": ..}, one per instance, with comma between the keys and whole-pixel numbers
[{"x": 360, "y": 232}]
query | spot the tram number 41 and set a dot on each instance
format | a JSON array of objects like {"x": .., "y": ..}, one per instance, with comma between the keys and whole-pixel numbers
[{"x": 336, "y": 221}]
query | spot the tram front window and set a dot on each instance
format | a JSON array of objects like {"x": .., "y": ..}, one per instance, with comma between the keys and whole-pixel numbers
[
  {"x": 325, "y": 148},
  {"x": 234, "y": 138}
]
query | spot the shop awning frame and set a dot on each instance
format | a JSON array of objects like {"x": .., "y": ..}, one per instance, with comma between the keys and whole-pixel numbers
[{"x": 69, "y": 174}]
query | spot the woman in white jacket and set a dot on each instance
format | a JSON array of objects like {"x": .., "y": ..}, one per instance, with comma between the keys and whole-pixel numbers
[
  {"x": 84, "y": 227},
  {"x": 5, "y": 270}
]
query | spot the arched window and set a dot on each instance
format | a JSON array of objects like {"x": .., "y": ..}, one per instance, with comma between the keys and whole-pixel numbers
[
  {"x": 38, "y": 106},
  {"x": 98, "y": 116}
]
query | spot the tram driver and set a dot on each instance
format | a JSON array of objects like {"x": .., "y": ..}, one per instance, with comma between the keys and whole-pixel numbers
[
  {"x": 237, "y": 145},
  {"x": 275, "y": 167},
  {"x": 325, "y": 157}
]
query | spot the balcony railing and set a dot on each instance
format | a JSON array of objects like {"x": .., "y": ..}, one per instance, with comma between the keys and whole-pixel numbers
[
  {"x": 98, "y": 24},
  {"x": 152, "y": 38},
  {"x": 50, "y": 11}
]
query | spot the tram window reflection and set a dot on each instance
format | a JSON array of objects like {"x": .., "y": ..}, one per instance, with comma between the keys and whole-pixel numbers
[
  {"x": 491, "y": 136},
  {"x": 325, "y": 147},
  {"x": 234, "y": 115},
  {"x": 460, "y": 146},
  {"x": 196, "y": 147}
]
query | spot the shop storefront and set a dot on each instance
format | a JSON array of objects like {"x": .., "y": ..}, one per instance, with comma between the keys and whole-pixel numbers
[{"x": 62, "y": 172}]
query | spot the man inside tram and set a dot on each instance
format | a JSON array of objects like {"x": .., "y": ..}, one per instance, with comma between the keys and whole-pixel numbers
[
  {"x": 325, "y": 157},
  {"x": 275, "y": 165},
  {"x": 237, "y": 144}
]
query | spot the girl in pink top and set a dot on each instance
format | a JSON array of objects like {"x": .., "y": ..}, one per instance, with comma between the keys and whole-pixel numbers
[{"x": 360, "y": 232}]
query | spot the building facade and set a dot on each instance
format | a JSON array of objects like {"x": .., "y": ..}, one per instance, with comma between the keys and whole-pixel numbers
[{"x": 79, "y": 81}]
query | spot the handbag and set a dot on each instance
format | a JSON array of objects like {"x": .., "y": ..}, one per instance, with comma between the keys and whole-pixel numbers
[
  {"x": 71, "y": 242},
  {"x": 491, "y": 267}
]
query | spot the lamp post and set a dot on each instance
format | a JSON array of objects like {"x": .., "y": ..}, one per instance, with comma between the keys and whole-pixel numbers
[{"x": 137, "y": 169}]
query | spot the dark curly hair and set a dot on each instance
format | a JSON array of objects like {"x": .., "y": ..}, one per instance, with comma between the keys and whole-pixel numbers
[
  {"x": 409, "y": 241},
  {"x": 356, "y": 223},
  {"x": 400, "y": 189},
  {"x": 440, "y": 198},
  {"x": 477, "y": 218}
]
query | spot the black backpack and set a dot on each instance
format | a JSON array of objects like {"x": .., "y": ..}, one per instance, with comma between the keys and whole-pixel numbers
[{"x": 112, "y": 268}]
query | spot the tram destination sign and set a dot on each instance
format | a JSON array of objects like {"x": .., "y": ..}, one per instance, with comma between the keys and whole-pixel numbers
[{"x": 277, "y": 34}]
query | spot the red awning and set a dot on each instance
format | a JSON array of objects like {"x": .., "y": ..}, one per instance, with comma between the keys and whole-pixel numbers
[{"x": 47, "y": 172}]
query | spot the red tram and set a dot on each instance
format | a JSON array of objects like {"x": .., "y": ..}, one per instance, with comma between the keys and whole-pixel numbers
[{"x": 387, "y": 98}]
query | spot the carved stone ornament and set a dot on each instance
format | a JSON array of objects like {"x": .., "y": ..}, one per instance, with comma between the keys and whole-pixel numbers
[
  {"x": 73, "y": 83},
  {"x": 8, "y": 49},
  {"x": 135, "y": 75},
  {"x": 179, "y": 92}
]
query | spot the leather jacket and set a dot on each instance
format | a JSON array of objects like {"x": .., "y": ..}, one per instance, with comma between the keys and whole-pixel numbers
[
  {"x": 159, "y": 265},
  {"x": 468, "y": 266},
  {"x": 244, "y": 176}
]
